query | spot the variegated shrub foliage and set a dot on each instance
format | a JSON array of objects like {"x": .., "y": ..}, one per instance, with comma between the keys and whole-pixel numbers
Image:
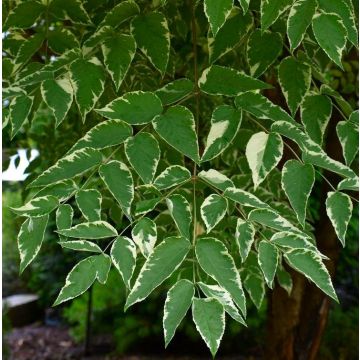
[{"x": 180, "y": 176}]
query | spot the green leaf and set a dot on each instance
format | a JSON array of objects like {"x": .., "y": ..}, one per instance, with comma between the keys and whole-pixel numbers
[
  {"x": 343, "y": 104},
  {"x": 177, "y": 127},
  {"x": 90, "y": 230},
  {"x": 118, "y": 179},
  {"x": 58, "y": 96},
  {"x": 144, "y": 206},
  {"x": 80, "y": 245},
  {"x": 225, "y": 123},
  {"x": 97, "y": 38},
  {"x": 272, "y": 219},
  {"x": 349, "y": 184},
  {"x": 61, "y": 39},
  {"x": 60, "y": 61},
  {"x": 244, "y": 5},
  {"x": 224, "y": 298},
  {"x": 345, "y": 10},
  {"x": 88, "y": 80},
  {"x": 38, "y": 206},
  {"x": 123, "y": 256},
  {"x": 106, "y": 134},
  {"x": 24, "y": 15},
  {"x": 309, "y": 264},
  {"x": 244, "y": 236},
  {"x": 163, "y": 261},
  {"x": 330, "y": 33},
  {"x": 179, "y": 209},
  {"x": 216, "y": 179},
  {"x": 217, "y": 12},
  {"x": 155, "y": 44},
  {"x": 28, "y": 48},
  {"x": 263, "y": 48},
  {"x": 82, "y": 275},
  {"x": 221, "y": 80},
  {"x": 69, "y": 9},
  {"x": 270, "y": 11},
  {"x": 118, "y": 52},
  {"x": 19, "y": 111},
  {"x": 212, "y": 210},
  {"x": 175, "y": 91},
  {"x": 297, "y": 181},
  {"x": 263, "y": 153},
  {"x": 244, "y": 198},
  {"x": 215, "y": 260},
  {"x": 30, "y": 238},
  {"x": 294, "y": 79},
  {"x": 172, "y": 176},
  {"x": 135, "y": 108},
  {"x": 299, "y": 19},
  {"x": 339, "y": 210},
  {"x": 255, "y": 286},
  {"x": 64, "y": 218},
  {"x": 178, "y": 301},
  {"x": 89, "y": 203},
  {"x": 144, "y": 235},
  {"x": 261, "y": 107},
  {"x": 315, "y": 115},
  {"x": 120, "y": 13},
  {"x": 143, "y": 153},
  {"x": 348, "y": 134},
  {"x": 74, "y": 164},
  {"x": 268, "y": 258},
  {"x": 229, "y": 35},
  {"x": 209, "y": 318}
]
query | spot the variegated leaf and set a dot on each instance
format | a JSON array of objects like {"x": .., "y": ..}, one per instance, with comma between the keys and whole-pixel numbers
[
  {"x": 268, "y": 258},
  {"x": 224, "y": 298},
  {"x": 82, "y": 276},
  {"x": 175, "y": 91},
  {"x": 180, "y": 211},
  {"x": 118, "y": 179},
  {"x": 19, "y": 111},
  {"x": 225, "y": 123},
  {"x": 244, "y": 198},
  {"x": 177, "y": 127},
  {"x": 263, "y": 153},
  {"x": 297, "y": 181},
  {"x": 88, "y": 80},
  {"x": 209, "y": 318},
  {"x": 38, "y": 206},
  {"x": 310, "y": 264},
  {"x": 74, "y": 164},
  {"x": 212, "y": 210},
  {"x": 217, "y": 12},
  {"x": 135, "y": 108},
  {"x": 106, "y": 134},
  {"x": 89, "y": 203},
  {"x": 294, "y": 79},
  {"x": 155, "y": 44},
  {"x": 80, "y": 245},
  {"x": 143, "y": 153},
  {"x": 123, "y": 256},
  {"x": 339, "y": 210},
  {"x": 118, "y": 52},
  {"x": 178, "y": 301},
  {"x": 144, "y": 235},
  {"x": 244, "y": 236},
  {"x": 30, "y": 238},
  {"x": 270, "y": 11},
  {"x": 90, "y": 230},
  {"x": 58, "y": 95},
  {"x": 163, "y": 261},
  {"x": 221, "y": 80},
  {"x": 216, "y": 179},
  {"x": 172, "y": 176},
  {"x": 215, "y": 260}
]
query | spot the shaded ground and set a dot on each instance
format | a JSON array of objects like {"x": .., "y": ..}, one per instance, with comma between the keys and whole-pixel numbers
[{"x": 40, "y": 342}]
